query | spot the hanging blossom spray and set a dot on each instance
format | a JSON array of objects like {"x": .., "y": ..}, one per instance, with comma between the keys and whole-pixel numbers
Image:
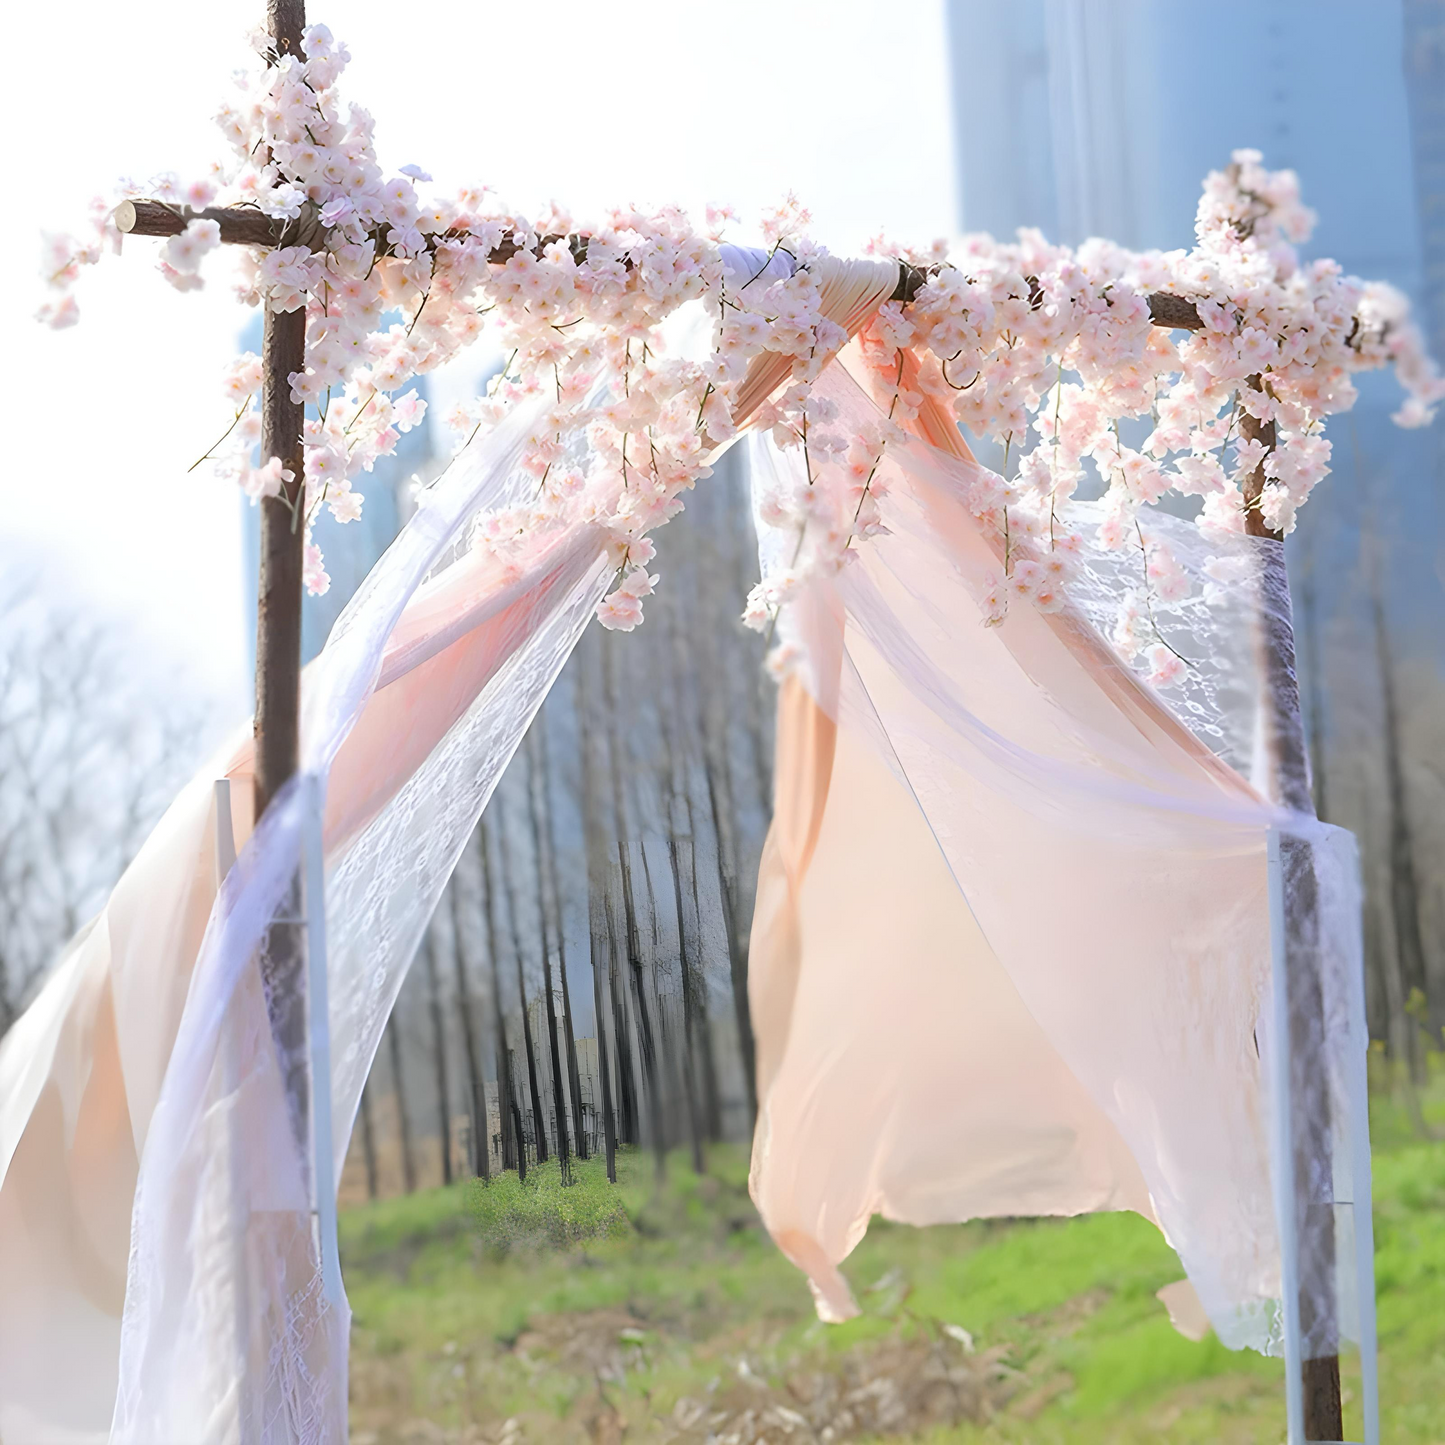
[{"x": 1040, "y": 348}]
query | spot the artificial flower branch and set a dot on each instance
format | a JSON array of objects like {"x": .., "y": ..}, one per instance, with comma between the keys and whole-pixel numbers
[
  {"x": 1234, "y": 343},
  {"x": 247, "y": 226}
]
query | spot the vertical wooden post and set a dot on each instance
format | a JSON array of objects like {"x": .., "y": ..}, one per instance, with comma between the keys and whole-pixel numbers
[
  {"x": 278, "y": 598},
  {"x": 1309, "y": 1103}
]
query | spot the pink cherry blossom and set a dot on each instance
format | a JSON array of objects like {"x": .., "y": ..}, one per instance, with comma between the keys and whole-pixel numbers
[
  {"x": 1165, "y": 667},
  {"x": 1046, "y": 351}
]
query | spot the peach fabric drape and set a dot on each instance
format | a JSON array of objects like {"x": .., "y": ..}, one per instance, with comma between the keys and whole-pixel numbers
[
  {"x": 142, "y": 1300},
  {"x": 1011, "y": 953},
  {"x": 82, "y": 1069},
  {"x": 1009, "y": 956}
]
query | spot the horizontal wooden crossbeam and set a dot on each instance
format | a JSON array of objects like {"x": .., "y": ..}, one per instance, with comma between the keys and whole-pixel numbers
[
  {"x": 240, "y": 225},
  {"x": 247, "y": 226}
]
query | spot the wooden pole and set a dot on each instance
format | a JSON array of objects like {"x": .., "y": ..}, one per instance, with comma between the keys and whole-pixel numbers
[
  {"x": 1309, "y": 1101},
  {"x": 278, "y": 598},
  {"x": 278, "y": 652}
]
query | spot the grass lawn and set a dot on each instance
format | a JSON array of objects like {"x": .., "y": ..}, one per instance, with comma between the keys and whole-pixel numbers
[{"x": 515, "y": 1312}]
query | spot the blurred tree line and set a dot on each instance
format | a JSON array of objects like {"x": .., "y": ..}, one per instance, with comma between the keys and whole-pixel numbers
[{"x": 583, "y": 983}]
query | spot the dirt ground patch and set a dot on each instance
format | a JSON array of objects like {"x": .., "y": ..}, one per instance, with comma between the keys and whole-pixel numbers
[{"x": 887, "y": 1387}]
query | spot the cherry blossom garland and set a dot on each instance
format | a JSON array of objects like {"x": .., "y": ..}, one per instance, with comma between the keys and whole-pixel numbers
[{"x": 1043, "y": 349}]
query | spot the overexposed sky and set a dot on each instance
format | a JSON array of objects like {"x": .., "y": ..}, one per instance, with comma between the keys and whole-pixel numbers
[{"x": 844, "y": 102}]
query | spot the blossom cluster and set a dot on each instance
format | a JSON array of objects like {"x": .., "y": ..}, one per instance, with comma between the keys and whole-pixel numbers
[
  {"x": 1048, "y": 351},
  {"x": 1053, "y": 354}
]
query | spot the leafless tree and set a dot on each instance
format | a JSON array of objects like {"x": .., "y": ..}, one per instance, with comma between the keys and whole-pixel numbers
[
  {"x": 439, "y": 1050},
  {"x": 403, "y": 1119},
  {"x": 91, "y": 751},
  {"x": 477, "y": 1088}
]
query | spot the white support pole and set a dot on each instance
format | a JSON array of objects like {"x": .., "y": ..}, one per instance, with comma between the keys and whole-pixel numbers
[
  {"x": 236, "y": 1145},
  {"x": 1362, "y": 1202},
  {"x": 323, "y": 1163},
  {"x": 1352, "y": 1181},
  {"x": 1364, "y": 1232},
  {"x": 1282, "y": 1139}
]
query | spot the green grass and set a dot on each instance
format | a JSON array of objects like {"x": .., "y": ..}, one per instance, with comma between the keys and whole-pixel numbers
[{"x": 593, "y": 1310}]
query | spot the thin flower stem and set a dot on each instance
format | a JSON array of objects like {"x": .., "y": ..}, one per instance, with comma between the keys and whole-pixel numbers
[
  {"x": 235, "y": 421},
  {"x": 1007, "y": 538},
  {"x": 892, "y": 407},
  {"x": 361, "y": 411},
  {"x": 1054, "y": 468},
  {"x": 1149, "y": 597}
]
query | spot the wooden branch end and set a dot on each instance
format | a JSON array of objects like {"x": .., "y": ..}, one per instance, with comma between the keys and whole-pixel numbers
[
  {"x": 1177, "y": 313},
  {"x": 240, "y": 225},
  {"x": 149, "y": 218}
]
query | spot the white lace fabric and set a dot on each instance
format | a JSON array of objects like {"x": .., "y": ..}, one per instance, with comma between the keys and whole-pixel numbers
[
  {"x": 1011, "y": 951},
  {"x": 155, "y": 1204}
]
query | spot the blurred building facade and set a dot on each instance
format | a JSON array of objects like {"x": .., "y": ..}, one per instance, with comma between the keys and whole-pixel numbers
[{"x": 1101, "y": 118}]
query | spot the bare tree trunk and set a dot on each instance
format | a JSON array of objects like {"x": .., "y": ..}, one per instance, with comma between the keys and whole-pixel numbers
[
  {"x": 597, "y": 930},
  {"x": 368, "y": 1141},
  {"x": 506, "y": 1089},
  {"x": 634, "y": 958},
  {"x": 574, "y": 1072},
  {"x": 1398, "y": 1023},
  {"x": 481, "y": 1142},
  {"x": 737, "y": 962},
  {"x": 696, "y": 1034},
  {"x": 646, "y": 1038},
  {"x": 718, "y": 722},
  {"x": 689, "y": 1013},
  {"x": 559, "y": 1084},
  {"x": 505, "y": 1093},
  {"x": 1404, "y": 889},
  {"x": 439, "y": 1050},
  {"x": 539, "y": 1123},
  {"x": 554, "y": 894},
  {"x": 551, "y": 928},
  {"x": 519, "y": 1130},
  {"x": 403, "y": 1122},
  {"x": 707, "y": 1057},
  {"x": 626, "y": 1073},
  {"x": 598, "y": 903}
]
